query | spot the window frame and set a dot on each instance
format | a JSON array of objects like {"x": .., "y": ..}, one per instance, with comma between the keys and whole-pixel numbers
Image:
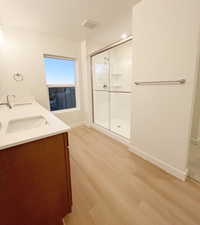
[{"x": 75, "y": 84}]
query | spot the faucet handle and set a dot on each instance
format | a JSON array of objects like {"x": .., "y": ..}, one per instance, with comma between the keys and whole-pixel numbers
[{"x": 8, "y": 100}]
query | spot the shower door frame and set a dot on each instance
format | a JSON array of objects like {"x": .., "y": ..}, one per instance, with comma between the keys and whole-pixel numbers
[{"x": 104, "y": 130}]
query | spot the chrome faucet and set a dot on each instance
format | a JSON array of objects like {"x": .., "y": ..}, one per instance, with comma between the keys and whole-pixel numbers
[{"x": 8, "y": 101}]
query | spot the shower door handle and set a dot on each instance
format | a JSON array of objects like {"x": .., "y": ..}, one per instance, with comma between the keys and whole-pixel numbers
[{"x": 105, "y": 86}]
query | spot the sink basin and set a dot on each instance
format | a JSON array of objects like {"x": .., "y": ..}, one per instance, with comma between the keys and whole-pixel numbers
[{"x": 26, "y": 124}]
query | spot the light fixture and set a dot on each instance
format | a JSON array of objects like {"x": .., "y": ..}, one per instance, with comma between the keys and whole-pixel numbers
[
  {"x": 124, "y": 36},
  {"x": 89, "y": 24}
]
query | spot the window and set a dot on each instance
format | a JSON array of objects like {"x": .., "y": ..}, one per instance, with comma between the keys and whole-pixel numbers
[{"x": 61, "y": 82}]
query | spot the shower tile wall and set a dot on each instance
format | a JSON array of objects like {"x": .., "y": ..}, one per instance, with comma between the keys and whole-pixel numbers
[
  {"x": 112, "y": 89},
  {"x": 101, "y": 97},
  {"x": 121, "y": 68}
]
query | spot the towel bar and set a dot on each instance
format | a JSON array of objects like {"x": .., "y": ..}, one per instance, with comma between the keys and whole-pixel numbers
[{"x": 169, "y": 82}]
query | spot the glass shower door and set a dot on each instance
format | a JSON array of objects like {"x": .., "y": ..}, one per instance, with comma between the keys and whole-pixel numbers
[
  {"x": 112, "y": 76},
  {"x": 101, "y": 97},
  {"x": 120, "y": 89}
]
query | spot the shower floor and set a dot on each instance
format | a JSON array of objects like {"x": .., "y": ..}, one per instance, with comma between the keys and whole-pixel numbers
[
  {"x": 117, "y": 126},
  {"x": 194, "y": 162},
  {"x": 120, "y": 127}
]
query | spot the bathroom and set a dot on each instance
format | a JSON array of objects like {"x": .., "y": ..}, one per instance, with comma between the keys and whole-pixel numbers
[{"x": 108, "y": 101}]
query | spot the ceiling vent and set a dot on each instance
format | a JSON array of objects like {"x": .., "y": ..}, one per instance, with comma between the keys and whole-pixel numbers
[{"x": 90, "y": 24}]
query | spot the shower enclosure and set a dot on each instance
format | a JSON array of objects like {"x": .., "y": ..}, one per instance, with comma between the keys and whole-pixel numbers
[{"x": 111, "y": 86}]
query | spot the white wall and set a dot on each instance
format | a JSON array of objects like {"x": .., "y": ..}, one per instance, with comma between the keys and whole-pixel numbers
[
  {"x": 110, "y": 33},
  {"x": 23, "y": 52},
  {"x": 86, "y": 82},
  {"x": 165, "y": 47},
  {"x": 196, "y": 115}
]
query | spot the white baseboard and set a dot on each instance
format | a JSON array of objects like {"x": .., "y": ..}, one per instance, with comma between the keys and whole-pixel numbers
[
  {"x": 87, "y": 124},
  {"x": 74, "y": 125},
  {"x": 195, "y": 141},
  {"x": 111, "y": 134},
  {"x": 182, "y": 175}
]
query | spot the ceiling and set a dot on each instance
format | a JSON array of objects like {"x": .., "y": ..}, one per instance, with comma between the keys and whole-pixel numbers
[{"x": 63, "y": 17}]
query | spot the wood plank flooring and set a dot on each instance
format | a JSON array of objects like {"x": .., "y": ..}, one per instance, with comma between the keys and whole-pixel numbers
[{"x": 112, "y": 186}]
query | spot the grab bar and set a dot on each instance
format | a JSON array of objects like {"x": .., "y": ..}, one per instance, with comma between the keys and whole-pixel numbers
[
  {"x": 126, "y": 92},
  {"x": 167, "y": 82}
]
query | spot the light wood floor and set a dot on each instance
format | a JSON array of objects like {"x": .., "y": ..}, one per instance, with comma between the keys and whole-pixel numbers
[{"x": 112, "y": 186}]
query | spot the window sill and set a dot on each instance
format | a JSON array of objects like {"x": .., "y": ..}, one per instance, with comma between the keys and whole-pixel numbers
[{"x": 65, "y": 110}]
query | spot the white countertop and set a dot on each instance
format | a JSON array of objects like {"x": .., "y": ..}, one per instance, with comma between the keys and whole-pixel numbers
[{"x": 9, "y": 139}]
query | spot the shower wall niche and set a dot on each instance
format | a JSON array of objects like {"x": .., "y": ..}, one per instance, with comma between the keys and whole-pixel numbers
[{"x": 112, "y": 76}]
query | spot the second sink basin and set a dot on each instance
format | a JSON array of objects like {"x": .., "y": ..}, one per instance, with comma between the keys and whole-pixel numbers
[{"x": 26, "y": 124}]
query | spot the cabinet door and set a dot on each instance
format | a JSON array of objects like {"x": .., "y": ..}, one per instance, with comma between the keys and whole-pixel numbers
[
  {"x": 68, "y": 173},
  {"x": 33, "y": 184}
]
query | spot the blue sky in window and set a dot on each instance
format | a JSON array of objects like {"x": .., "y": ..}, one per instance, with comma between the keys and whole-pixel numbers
[{"x": 59, "y": 71}]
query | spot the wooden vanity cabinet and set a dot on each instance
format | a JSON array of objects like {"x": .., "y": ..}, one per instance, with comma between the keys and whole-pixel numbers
[{"x": 35, "y": 182}]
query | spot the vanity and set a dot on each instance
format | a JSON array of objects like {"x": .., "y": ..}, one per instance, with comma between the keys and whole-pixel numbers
[{"x": 35, "y": 181}]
